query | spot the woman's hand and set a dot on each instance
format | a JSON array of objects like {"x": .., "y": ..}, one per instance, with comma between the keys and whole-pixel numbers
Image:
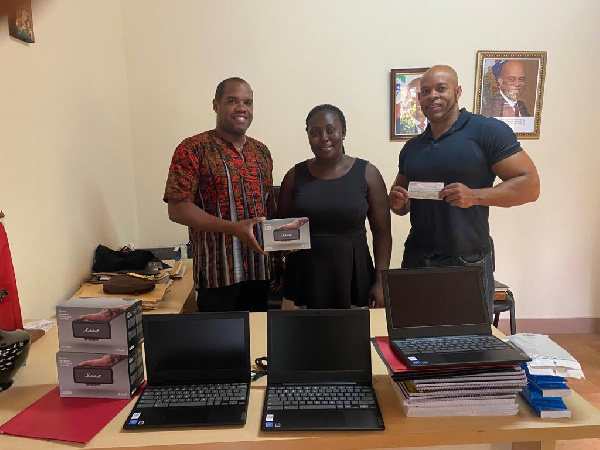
[{"x": 376, "y": 296}]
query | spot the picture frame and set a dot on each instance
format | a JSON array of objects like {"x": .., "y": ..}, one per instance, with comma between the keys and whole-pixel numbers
[
  {"x": 20, "y": 22},
  {"x": 406, "y": 118},
  {"x": 510, "y": 87}
]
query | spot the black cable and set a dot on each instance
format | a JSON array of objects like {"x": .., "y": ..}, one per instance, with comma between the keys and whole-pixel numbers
[{"x": 259, "y": 369}]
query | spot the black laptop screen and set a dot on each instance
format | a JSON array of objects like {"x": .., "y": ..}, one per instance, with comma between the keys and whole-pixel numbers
[
  {"x": 319, "y": 346},
  {"x": 435, "y": 297},
  {"x": 196, "y": 347}
]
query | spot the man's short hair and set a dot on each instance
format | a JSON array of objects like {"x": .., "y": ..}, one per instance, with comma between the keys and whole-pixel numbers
[{"x": 221, "y": 86}]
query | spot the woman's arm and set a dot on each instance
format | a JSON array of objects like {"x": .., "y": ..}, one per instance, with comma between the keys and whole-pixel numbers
[{"x": 380, "y": 224}]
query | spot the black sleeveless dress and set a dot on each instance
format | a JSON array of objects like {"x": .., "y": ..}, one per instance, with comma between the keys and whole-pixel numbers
[{"x": 337, "y": 271}]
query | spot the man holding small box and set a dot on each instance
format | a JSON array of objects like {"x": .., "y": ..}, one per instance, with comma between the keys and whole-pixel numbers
[{"x": 220, "y": 185}]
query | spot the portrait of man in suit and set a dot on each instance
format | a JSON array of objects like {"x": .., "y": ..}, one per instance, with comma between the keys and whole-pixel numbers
[
  {"x": 511, "y": 79},
  {"x": 510, "y": 88}
]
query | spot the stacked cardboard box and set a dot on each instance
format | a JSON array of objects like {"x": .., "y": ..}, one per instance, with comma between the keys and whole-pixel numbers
[{"x": 100, "y": 352}]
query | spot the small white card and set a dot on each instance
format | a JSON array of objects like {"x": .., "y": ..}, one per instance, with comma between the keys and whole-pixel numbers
[{"x": 424, "y": 190}]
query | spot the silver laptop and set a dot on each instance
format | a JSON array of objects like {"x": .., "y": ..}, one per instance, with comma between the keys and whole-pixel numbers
[{"x": 438, "y": 317}]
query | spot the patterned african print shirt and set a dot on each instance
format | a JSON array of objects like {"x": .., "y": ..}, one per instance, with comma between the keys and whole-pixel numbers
[{"x": 207, "y": 171}]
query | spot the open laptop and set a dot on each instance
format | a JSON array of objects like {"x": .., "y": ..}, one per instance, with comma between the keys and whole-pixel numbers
[
  {"x": 319, "y": 372},
  {"x": 438, "y": 317},
  {"x": 198, "y": 370}
]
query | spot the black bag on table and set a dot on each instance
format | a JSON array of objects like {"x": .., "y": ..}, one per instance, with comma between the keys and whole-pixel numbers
[{"x": 107, "y": 260}]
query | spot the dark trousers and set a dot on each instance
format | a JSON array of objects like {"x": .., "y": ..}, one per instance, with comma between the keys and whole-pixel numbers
[
  {"x": 415, "y": 259},
  {"x": 243, "y": 296}
]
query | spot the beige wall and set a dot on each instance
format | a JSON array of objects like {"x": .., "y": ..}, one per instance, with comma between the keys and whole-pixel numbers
[
  {"x": 295, "y": 55},
  {"x": 299, "y": 54},
  {"x": 66, "y": 170}
]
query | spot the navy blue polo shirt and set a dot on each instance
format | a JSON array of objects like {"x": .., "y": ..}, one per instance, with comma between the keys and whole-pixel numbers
[{"x": 463, "y": 154}]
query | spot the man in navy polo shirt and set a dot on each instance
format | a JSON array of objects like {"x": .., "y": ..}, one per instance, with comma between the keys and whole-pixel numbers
[{"x": 464, "y": 152}]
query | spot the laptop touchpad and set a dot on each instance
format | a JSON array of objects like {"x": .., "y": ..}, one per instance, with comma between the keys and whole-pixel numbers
[
  {"x": 316, "y": 419},
  {"x": 185, "y": 416}
]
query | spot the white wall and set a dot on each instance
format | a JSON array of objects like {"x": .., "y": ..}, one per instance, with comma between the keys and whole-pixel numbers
[
  {"x": 66, "y": 175},
  {"x": 299, "y": 54},
  {"x": 102, "y": 86}
]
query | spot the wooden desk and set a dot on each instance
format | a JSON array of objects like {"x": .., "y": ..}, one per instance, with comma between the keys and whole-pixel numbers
[{"x": 525, "y": 429}]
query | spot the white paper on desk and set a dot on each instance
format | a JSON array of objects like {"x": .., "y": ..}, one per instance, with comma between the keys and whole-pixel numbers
[
  {"x": 39, "y": 325},
  {"x": 181, "y": 272},
  {"x": 546, "y": 355},
  {"x": 424, "y": 190}
]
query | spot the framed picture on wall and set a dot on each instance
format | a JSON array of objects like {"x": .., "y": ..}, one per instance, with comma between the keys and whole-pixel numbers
[
  {"x": 406, "y": 118},
  {"x": 20, "y": 22},
  {"x": 510, "y": 87}
]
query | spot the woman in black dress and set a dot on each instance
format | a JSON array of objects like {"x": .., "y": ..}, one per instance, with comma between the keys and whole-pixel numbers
[{"x": 337, "y": 193}]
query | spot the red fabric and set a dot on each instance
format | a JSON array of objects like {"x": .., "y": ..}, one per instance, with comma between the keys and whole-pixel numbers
[
  {"x": 64, "y": 419},
  {"x": 10, "y": 310}
]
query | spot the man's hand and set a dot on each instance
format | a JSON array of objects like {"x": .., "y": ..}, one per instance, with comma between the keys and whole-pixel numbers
[
  {"x": 457, "y": 194},
  {"x": 398, "y": 198},
  {"x": 244, "y": 231}
]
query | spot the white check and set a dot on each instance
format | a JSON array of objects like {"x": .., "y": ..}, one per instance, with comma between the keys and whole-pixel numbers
[{"x": 424, "y": 190}]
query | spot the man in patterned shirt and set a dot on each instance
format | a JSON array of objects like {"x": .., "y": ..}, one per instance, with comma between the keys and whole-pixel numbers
[{"x": 220, "y": 185}]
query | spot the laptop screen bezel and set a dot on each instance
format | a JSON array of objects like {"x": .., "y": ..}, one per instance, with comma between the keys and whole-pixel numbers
[
  {"x": 437, "y": 330},
  {"x": 208, "y": 374},
  {"x": 363, "y": 376}
]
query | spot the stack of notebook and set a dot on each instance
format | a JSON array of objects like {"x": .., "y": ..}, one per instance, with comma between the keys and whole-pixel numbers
[
  {"x": 491, "y": 393},
  {"x": 453, "y": 391}
]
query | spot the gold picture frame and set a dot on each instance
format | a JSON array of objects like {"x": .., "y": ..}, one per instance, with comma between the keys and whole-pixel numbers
[
  {"x": 406, "y": 118},
  {"x": 510, "y": 87},
  {"x": 20, "y": 21}
]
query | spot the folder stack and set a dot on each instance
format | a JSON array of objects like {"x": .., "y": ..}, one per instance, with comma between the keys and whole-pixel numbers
[
  {"x": 547, "y": 374},
  {"x": 545, "y": 394},
  {"x": 453, "y": 391}
]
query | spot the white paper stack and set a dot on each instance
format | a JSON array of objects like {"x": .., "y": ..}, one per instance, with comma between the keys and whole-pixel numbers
[
  {"x": 547, "y": 357},
  {"x": 481, "y": 394}
]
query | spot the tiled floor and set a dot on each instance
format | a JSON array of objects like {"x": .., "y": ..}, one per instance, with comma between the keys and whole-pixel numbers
[{"x": 586, "y": 349}]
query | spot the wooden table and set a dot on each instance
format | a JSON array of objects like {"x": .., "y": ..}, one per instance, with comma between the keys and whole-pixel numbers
[{"x": 526, "y": 430}]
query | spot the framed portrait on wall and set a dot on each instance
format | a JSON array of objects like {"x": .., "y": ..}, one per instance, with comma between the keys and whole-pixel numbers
[
  {"x": 20, "y": 22},
  {"x": 510, "y": 87},
  {"x": 406, "y": 118}
]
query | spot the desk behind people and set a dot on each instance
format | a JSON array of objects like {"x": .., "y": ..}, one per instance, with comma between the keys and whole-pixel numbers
[
  {"x": 39, "y": 377},
  {"x": 181, "y": 296}
]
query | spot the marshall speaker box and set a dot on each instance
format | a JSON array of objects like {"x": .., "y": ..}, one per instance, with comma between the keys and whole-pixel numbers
[
  {"x": 100, "y": 375},
  {"x": 286, "y": 234},
  {"x": 99, "y": 325}
]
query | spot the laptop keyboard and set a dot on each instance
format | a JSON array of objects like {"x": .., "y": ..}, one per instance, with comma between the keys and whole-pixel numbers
[
  {"x": 450, "y": 344},
  {"x": 320, "y": 397},
  {"x": 193, "y": 395}
]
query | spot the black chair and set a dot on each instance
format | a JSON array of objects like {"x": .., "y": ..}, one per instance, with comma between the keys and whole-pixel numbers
[{"x": 506, "y": 304}]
